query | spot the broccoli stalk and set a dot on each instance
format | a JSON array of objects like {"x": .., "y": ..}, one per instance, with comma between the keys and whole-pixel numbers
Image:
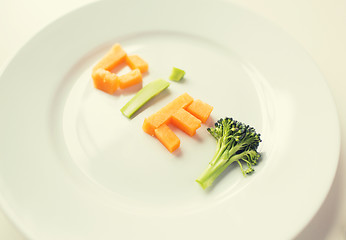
[{"x": 236, "y": 142}]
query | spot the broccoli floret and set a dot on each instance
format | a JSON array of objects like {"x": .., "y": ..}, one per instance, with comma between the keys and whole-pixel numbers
[{"x": 236, "y": 142}]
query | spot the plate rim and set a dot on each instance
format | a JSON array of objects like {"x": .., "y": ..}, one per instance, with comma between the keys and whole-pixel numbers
[{"x": 13, "y": 218}]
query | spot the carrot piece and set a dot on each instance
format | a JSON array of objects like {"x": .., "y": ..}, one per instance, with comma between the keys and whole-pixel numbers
[
  {"x": 113, "y": 58},
  {"x": 164, "y": 115},
  {"x": 129, "y": 79},
  {"x": 186, "y": 121},
  {"x": 200, "y": 110},
  {"x": 150, "y": 124},
  {"x": 167, "y": 137},
  {"x": 105, "y": 81},
  {"x": 135, "y": 62}
]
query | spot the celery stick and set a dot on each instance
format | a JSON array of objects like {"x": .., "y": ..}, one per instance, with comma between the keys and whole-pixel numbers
[
  {"x": 144, "y": 95},
  {"x": 177, "y": 74}
]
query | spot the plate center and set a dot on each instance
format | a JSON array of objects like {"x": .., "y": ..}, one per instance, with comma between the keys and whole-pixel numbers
[{"x": 115, "y": 153}]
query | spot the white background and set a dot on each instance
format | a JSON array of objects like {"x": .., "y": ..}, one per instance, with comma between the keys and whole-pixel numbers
[{"x": 318, "y": 25}]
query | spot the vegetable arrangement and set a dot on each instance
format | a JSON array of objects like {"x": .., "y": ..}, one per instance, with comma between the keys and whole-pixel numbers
[{"x": 236, "y": 141}]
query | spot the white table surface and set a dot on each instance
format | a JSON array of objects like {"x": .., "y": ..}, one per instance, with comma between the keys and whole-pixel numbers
[{"x": 318, "y": 25}]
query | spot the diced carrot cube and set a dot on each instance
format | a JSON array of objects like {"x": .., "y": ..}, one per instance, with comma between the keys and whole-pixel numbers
[
  {"x": 167, "y": 137},
  {"x": 135, "y": 62},
  {"x": 186, "y": 121},
  {"x": 129, "y": 79},
  {"x": 113, "y": 58},
  {"x": 105, "y": 80},
  {"x": 200, "y": 110}
]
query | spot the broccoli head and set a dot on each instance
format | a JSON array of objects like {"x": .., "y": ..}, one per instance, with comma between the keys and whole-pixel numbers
[{"x": 236, "y": 142}]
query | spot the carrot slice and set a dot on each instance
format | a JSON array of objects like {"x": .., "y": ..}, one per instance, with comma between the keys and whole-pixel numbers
[
  {"x": 200, "y": 110},
  {"x": 135, "y": 62},
  {"x": 113, "y": 58},
  {"x": 105, "y": 80},
  {"x": 164, "y": 115},
  {"x": 186, "y": 121},
  {"x": 129, "y": 79},
  {"x": 167, "y": 137}
]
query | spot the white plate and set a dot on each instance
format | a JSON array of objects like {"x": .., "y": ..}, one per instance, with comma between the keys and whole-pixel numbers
[{"x": 73, "y": 167}]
